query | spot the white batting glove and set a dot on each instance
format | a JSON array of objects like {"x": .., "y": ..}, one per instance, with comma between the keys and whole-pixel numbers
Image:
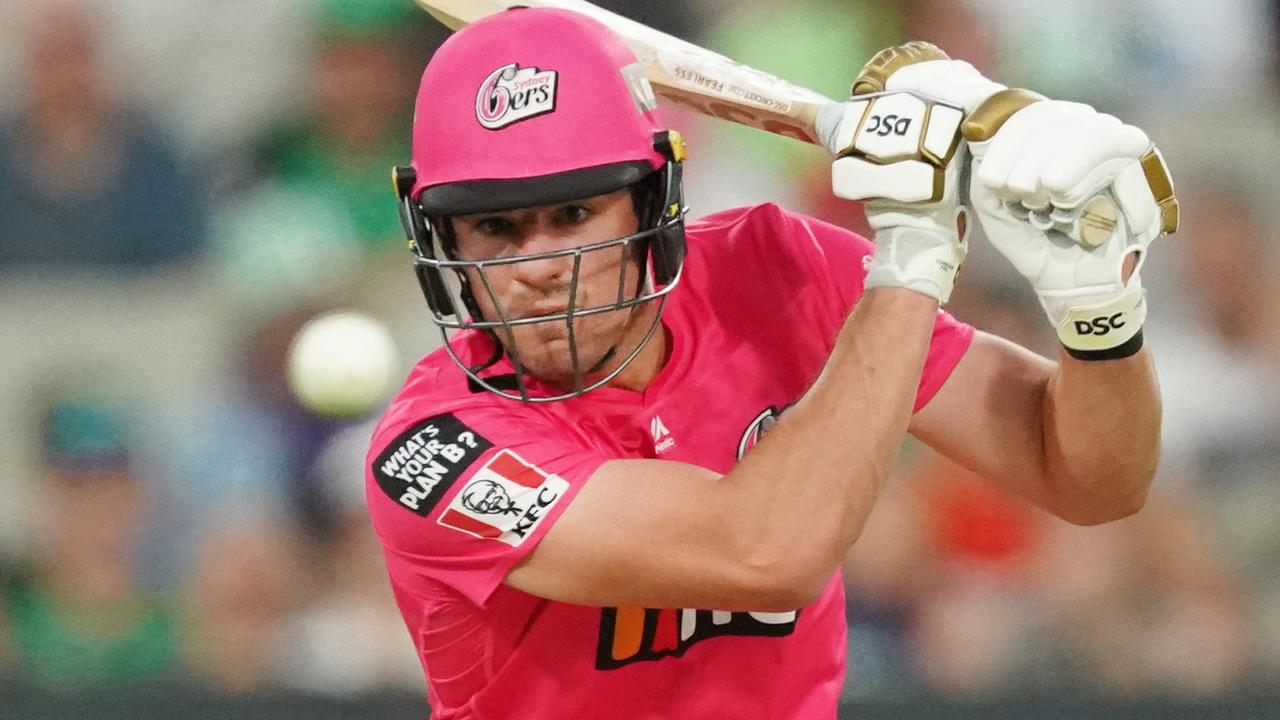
[
  {"x": 1067, "y": 194},
  {"x": 1064, "y": 192},
  {"x": 901, "y": 152}
]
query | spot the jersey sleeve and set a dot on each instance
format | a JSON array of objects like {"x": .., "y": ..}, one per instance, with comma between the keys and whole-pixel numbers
[
  {"x": 461, "y": 497},
  {"x": 833, "y": 257}
]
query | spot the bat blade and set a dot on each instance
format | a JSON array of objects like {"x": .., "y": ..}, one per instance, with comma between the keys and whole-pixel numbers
[{"x": 680, "y": 71}]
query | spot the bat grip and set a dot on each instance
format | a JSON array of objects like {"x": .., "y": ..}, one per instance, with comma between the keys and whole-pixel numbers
[{"x": 826, "y": 125}]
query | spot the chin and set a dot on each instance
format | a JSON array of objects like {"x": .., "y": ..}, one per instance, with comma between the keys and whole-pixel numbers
[
  {"x": 560, "y": 367},
  {"x": 548, "y": 356},
  {"x": 553, "y": 364}
]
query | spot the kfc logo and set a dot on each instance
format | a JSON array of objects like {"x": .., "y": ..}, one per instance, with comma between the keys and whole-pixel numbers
[
  {"x": 505, "y": 500},
  {"x": 487, "y": 497}
]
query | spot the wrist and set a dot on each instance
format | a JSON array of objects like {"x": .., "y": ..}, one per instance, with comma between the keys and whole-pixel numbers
[
  {"x": 1129, "y": 348},
  {"x": 923, "y": 259},
  {"x": 1103, "y": 329}
]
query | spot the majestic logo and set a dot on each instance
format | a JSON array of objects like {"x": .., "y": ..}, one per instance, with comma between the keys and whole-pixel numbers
[
  {"x": 662, "y": 440},
  {"x": 632, "y": 634},
  {"x": 512, "y": 93},
  {"x": 423, "y": 462},
  {"x": 505, "y": 500}
]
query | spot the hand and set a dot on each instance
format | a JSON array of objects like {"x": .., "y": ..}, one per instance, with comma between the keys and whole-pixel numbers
[
  {"x": 901, "y": 152},
  {"x": 1066, "y": 193}
]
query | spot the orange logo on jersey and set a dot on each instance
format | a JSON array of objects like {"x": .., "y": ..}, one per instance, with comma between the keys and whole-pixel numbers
[{"x": 632, "y": 634}]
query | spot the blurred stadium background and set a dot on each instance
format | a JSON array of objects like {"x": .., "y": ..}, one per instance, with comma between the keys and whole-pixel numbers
[{"x": 184, "y": 182}]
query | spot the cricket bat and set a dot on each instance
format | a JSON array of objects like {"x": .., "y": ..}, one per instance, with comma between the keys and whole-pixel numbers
[
  {"x": 715, "y": 85},
  {"x": 681, "y": 72}
]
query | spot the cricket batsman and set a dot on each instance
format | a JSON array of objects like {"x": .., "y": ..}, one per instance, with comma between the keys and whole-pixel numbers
[{"x": 624, "y": 487}]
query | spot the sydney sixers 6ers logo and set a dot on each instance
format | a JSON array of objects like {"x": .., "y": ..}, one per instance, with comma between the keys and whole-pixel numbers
[
  {"x": 758, "y": 427},
  {"x": 512, "y": 93}
]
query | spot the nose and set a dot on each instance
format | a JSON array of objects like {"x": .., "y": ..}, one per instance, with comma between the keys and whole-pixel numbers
[{"x": 548, "y": 275}]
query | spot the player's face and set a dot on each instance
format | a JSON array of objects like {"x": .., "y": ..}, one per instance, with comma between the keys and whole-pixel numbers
[{"x": 532, "y": 288}]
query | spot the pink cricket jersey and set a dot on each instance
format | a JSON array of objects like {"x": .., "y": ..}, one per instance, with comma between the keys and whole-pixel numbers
[{"x": 462, "y": 485}]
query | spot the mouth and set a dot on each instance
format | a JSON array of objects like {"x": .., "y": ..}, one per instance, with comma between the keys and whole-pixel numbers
[{"x": 545, "y": 309}]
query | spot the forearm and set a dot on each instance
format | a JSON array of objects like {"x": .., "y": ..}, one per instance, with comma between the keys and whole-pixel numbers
[
  {"x": 1071, "y": 197},
  {"x": 815, "y": 477},
  {"x": 818, "y": 473},
  {"x": 1101, "y": 425}
]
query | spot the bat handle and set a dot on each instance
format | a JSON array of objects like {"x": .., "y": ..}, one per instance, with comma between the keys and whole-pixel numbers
[
  {"x": 1091, "y": 224},
  {"x": 826, "y": 125}
]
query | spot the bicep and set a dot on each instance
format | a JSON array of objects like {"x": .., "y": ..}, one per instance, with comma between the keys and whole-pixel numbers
[
  {"x": 644, "y": 533},
  {"x": 988, "y": 416}
]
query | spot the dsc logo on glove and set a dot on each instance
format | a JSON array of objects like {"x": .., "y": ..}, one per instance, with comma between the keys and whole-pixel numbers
[
  {"x": 889, "y": 124},
  {"x": 1101, "y": 325}
]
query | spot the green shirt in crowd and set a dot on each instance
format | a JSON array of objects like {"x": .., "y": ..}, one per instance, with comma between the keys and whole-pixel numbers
[{"x": 64, "y": 651}]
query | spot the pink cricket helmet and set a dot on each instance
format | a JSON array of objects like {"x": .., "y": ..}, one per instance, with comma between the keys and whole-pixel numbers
[{"x": 528, "y": 107}]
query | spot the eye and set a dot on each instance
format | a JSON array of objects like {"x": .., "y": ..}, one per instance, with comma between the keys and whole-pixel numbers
[
  {"x": 573, "y": 214},
  {"x": 495, "y": 226}
]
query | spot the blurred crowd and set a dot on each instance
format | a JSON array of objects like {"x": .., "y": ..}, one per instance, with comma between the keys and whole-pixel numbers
[{"x": 183, "y": 186}]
